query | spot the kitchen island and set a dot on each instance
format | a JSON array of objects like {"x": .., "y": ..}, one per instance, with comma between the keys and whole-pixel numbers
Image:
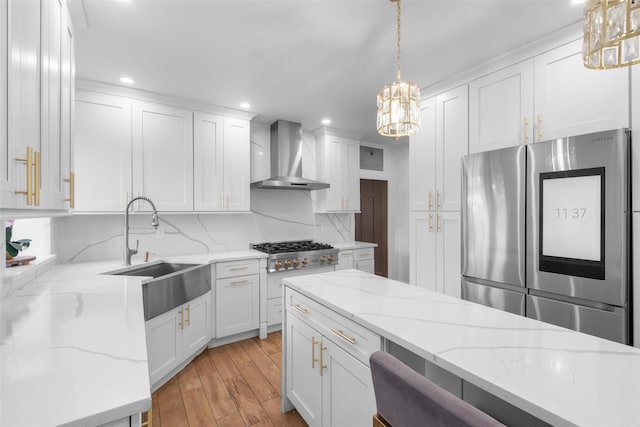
[{"x": 556, "y": 375}]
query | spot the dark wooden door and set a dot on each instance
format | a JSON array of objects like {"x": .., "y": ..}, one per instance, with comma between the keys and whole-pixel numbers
[{"x": 371, "y": 223}]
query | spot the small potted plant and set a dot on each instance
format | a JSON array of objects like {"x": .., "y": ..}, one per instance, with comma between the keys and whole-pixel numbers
[{"x": 14, "y": 247}]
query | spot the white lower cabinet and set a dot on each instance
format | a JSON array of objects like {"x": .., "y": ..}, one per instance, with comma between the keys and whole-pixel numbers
[
  {"x": 360, "y": 259},
  {"x": 435, "y": 251},
  {"x": 176, "y": 335},
  {"x": 327, "y": 379},
  {"x": 237, "y": 297},
  {"x": 237, "y": 301}
]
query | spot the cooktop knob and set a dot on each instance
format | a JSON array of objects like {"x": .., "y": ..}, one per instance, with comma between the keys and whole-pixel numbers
[
  {"x": 305, "y": 261},
  {"x": 278, "y": 265},
  {"x": 331, "y": 258},
  {"x": 287, "y": 263},
  {"x": 323, "y": 260},
  {"x": 296, "y": 263}
]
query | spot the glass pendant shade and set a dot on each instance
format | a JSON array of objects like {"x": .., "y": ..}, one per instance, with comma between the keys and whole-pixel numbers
[
  {"x": 399, "y": 109},
  {"x": 611, "y": 33},
  {"x": 398, "y": 102}
]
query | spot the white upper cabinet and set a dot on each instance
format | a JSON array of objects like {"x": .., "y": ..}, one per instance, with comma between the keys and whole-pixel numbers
[
  {"x": 163, "y": 155},
  {"x": 37, "y": 73},
  {"x": 21, "y": 187},
  {"x": 436, "y": 152},
  {"x": 501, "y": 108},
  {"x": 422, "y": 155},
  {"x": 221, "y": 163},
  {"x": 339, "y": 165},
  {"x": 572, "y": 100},
  {"x": 58, "y": 106},
  {"x": 237, "y": 164},
  {"x": 208, "y": 162},
  {"x": 103, "y": 152},
  {"x": 452, "y": 142},
  {"x": 635, "y": 148}
]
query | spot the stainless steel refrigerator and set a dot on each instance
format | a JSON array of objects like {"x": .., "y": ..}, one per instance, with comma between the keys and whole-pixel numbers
[{"x": 546, "y": 232}]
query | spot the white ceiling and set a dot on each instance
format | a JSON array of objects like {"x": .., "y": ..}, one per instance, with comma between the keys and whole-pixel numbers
[{"x": 300, "y": 60}]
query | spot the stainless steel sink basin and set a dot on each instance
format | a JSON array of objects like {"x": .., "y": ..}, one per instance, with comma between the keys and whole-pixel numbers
[
  {"x": 154, "y": 270},
  {"x": 171, "y": 285}
]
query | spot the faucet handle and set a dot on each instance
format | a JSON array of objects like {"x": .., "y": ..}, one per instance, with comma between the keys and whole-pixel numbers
[{"x": 135, "y": 251}]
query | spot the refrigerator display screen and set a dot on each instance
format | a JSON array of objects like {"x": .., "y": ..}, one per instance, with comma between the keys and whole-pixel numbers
[{"x": 572, "y": 222}]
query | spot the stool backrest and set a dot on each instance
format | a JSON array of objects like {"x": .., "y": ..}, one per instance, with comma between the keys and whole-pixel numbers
[{"x": 405, "y": 398}]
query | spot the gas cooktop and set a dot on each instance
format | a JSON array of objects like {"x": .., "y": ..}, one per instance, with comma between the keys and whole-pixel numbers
[{"x": 297, "y": 254}]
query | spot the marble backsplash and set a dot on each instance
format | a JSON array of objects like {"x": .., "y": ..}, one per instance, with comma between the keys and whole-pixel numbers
[{"x": 276, "y": 215}]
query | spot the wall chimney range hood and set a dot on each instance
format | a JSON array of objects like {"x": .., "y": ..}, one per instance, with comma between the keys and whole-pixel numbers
[{"x": 286, "y": 160}]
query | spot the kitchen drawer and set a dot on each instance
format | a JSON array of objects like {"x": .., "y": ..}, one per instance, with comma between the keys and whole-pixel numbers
[
  {"x": 358, "y": 341},
  {"x": 363, "y": 254},
  {"x": 237, "y": 268},
  {"x": 274, "y": 311}
]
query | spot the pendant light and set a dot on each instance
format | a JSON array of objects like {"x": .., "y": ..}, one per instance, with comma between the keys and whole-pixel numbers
[
  {"x": 611, "y": 33},
  {"x": 398, "y": 102}
]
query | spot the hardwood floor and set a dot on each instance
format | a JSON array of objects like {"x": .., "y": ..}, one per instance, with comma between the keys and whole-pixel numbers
[{"x": 229, "y": 386}]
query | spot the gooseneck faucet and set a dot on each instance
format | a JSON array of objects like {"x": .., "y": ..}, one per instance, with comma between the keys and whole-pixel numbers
[{"x": 128, "y": 253}]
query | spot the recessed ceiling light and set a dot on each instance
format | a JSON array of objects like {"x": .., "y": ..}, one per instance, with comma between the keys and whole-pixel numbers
[
  {"x": 245, "y": 105},
  {"x": 326, "y": 121},
  {"x": 127, "y": 80}
]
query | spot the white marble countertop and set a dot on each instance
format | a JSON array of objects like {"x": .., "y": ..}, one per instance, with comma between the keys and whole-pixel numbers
[
  {"x": 558, "y": 375},
  {"x": 73, "y": 352},
  {"x": 73, "y": 345},
  {"x": 343, "y": 246}
]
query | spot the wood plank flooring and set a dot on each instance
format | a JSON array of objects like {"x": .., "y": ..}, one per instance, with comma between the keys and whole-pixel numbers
[{"x": 234, "y": 385}]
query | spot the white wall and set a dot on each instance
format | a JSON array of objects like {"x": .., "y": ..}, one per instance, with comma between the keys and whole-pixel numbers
[{"x": 276, "y": 215}]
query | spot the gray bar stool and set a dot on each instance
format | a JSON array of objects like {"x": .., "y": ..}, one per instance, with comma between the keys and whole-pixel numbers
[{"x": 405, "y": 398}]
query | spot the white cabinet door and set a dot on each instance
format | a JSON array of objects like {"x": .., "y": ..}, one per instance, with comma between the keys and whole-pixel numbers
[
  {"x": 452, "y": 136},
  {"x": 501, "y": 108},
  {"x": 304, "y": 387},
  {"x": 350, "y": 156},
  {"x": 164, "y": 346},
  {"x": 448, "y": 253},
  {"x": 345, "y": 260},
  {"x": 163, "y": 155},
  {"x": 572, "y": 100},
  {"x": 24, "y": 103},
  {"x": 208, "y": 166},
  {"x": 339, "y": 165},
  {"x": 635, "y": 147},
  {"x": 348, "y": 398},
  {"x": 103, "y": 152},
  {"x": 58, "y": 114},
  {"x": 237, "y": 308},
  {"x": 5, "y": 161},
  {"x": 196, "y": 332},
  {"x": 236, "y": 164},
  {"x": 363, "y": 259},
  {"x": 422, "y": 154},
  {"x": 422, "y": 244}
]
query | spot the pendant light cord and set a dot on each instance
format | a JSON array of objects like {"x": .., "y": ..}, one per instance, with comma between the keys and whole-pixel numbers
[{"x": 398, "y": 45}]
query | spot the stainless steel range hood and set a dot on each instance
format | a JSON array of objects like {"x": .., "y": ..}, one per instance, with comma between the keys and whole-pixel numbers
[{"x": 286, "y": 160}]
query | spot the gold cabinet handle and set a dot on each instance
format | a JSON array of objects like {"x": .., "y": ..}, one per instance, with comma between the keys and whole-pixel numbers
[
  {"x": 437, "y": 223},
  {"x": 238, "y": 268},
  {"x": 28, "y": 161},
  {"x": 525, "y": 123},
  {"x": 322, "y": 365},
  {"x": 313, "y": 352},
  {"x": 299, "y": 308},
  {"x": 430, "y": 223},
  {"x": 181, "y": 318},
  {"x": 36, "y": 180},
  {"x": 72, "y": 190},
  {"x": 340, "y": 333},
  {"x": 437, "y": 200},
  {"x": 430, "y": 200},
  {"x": 239, "y": 282},
  {"x": 188, "y": 314},
  {"x": 228, "y": 200},
  {"x": 538, "y": 128}
]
